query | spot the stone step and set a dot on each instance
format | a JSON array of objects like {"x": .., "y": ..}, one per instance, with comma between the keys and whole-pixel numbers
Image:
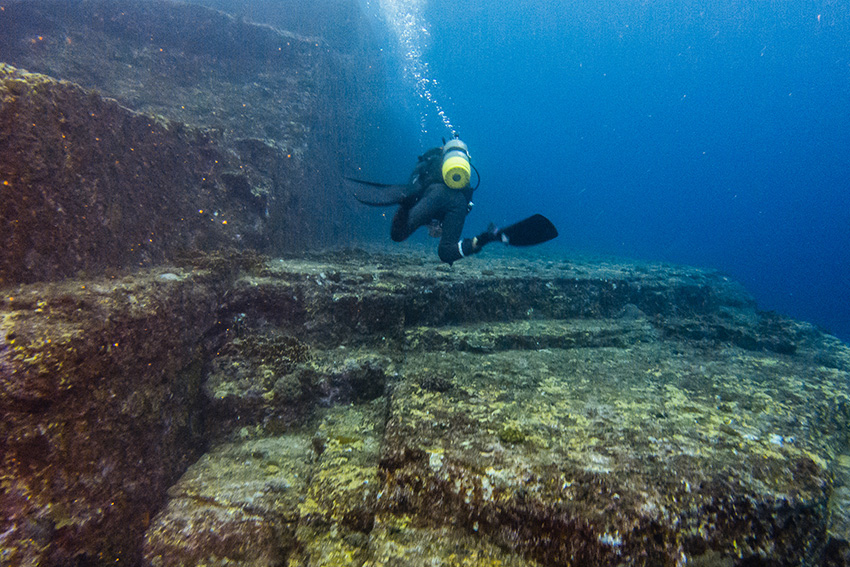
[
  {"x": 606, "y": 455},
  {"x": 601, "y": 454},
  {"x": 532, "y": 335},
  {"x": 371, "y": 299},
  {"x": 239, "y": 504},
  {"x": 312, "y": 497},
  {"x": 618, "y": 408}
]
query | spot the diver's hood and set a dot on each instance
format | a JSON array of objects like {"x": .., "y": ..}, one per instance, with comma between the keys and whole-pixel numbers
[{"x": 457, "y": 169}]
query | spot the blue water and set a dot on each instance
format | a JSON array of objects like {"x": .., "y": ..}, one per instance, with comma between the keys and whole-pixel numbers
[{"x": 714, "y": 134}]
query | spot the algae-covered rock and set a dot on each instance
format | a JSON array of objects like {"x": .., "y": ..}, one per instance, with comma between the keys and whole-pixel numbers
[
  {"x": 601, "y": 455},
  {"x": 99, "y": 411},
  {"x": 236, "y": 505},
  {"x": 90, "y": 186},
  {"x": 351, "y": 408},
  {"x": 275, "y": 109},
  {"x": 270, "y": 381},
  {"x": 305, "y": 496},
  {"x": 363, "y": 409}
]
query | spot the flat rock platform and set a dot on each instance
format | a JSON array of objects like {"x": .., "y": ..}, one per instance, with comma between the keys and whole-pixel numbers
[{"x": 365, "y": 409}]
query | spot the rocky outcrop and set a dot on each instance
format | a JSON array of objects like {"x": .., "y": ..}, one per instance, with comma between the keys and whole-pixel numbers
[
  {"x": 88, "y": 185},
  {"x": 221, "y": 133},
  {"x": 366, "y": 409},
  {"x": 101, "y": 411}
]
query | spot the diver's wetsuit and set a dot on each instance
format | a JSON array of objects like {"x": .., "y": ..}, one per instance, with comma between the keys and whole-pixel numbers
[{"x": 431, "y": 199}]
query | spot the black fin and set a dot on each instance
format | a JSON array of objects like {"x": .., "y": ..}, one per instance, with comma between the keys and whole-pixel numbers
[
  {"x": 536, "y": 229},
  {"x": 370, "y": 183},
  {"x": 379, "y": 194}
]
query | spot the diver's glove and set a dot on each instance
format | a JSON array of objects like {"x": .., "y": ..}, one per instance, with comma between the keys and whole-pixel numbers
[{"x": 492, "y": 234}]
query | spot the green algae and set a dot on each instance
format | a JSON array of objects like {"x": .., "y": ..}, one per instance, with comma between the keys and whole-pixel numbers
[{"x": 513, "y": 434}]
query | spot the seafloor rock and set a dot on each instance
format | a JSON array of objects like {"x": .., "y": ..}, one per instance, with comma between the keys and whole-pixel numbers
[
  {"x": 603, "y": 455},
  {"x": 238, "y": 504},
  {"x": 379, "y": 410},
  {"x": 100, "y": 411},
  {"x": 275, "y": 381}
]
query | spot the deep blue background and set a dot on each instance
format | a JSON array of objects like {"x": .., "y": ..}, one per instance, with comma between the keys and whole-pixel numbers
[{"x": 712, "y": 133}]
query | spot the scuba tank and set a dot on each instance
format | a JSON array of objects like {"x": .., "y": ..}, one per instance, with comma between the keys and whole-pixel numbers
[{"x": 456, "y": 168}]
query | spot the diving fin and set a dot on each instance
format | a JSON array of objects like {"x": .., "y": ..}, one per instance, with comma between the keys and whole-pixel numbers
[
  {"x": 536, "y": 229},
  {"x": 369, "y": 183},
  {"x": 379, "y": 194}
]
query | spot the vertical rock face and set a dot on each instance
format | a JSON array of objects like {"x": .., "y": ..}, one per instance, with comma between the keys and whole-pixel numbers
[
  {"x": 240, "y": 141},
  {"x": 99, "y": 395},
  {"x": 89, "y": 185}
]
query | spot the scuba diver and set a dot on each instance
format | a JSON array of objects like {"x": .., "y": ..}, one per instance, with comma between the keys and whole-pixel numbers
[{"x": 439, "y": 195}]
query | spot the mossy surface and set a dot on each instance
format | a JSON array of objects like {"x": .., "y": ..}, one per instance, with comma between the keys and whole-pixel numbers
[
  {"x": 666, "y": 449},
  {"x": 236, "y": 505},
  {"x": 130, "y": 132},
  {"x": 99, "y": 397},
  {"x": 357, "y": 414}
]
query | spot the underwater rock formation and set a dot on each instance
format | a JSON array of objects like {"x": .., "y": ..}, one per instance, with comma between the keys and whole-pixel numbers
[
  {"x": 351, "y": 409},
  {"x": 217, "y": 121},
  {"x": 367, "y": 409},
  {"x": 100, "y": 411},
  {"x": 89, "y": 185}
]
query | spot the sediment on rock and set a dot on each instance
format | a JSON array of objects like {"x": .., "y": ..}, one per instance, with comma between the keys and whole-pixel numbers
[
  {"x": 130, "y": 132},
  {"x": 101, "y": 412},
  {"x": 357, "y": 412}
]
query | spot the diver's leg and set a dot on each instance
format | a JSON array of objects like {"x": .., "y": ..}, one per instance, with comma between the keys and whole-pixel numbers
[
  {"x": 407, "y": 219},
  {"x": 400, "y": 228},
  {"x": 451, "y": 246}
]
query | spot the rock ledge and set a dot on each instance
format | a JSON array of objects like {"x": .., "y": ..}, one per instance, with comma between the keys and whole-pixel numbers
[{"x": 364, "y": 409}]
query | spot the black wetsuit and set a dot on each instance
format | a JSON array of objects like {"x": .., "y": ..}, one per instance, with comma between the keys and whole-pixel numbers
[{"x": 431, "y": 199}]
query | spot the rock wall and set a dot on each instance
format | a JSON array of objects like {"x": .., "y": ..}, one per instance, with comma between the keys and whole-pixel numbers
[
  {"x": 242, "y": 122},
  {"x": 100, "y": 402},
  {"x": 88, "y": 185}
]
